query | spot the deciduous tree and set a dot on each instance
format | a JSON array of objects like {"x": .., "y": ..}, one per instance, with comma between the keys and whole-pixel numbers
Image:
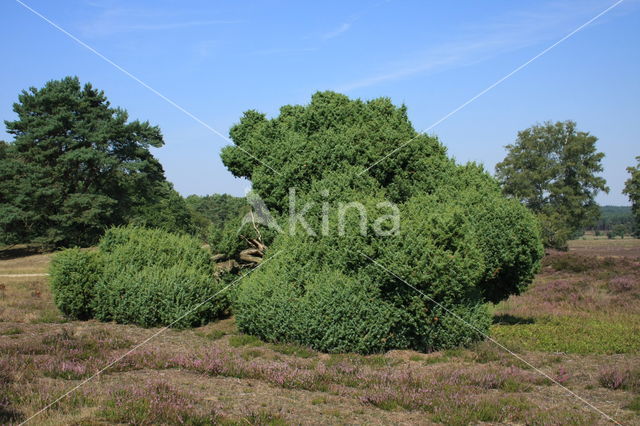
[
  {"x": 632, "y": 190},
  {"x": 553, "y": 169}
]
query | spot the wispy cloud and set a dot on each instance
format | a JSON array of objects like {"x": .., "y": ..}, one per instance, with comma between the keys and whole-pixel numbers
[
  {"x": 343, "y": 28},
  {"x": 513, "y": 31},
  {"x": 283, "y": 50},
  {"x": 174, "y": 25},
  {"x": 348, "y": 23},
  {"x": 397, "y": 74},
  {"x": 205, "y": 48},
  {"x": 116, "y": 19}
]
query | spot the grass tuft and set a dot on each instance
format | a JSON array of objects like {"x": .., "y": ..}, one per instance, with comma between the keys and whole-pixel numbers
[{"x": 238, "y": 340}]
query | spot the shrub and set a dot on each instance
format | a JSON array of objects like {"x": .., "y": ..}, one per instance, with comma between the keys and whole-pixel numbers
[
  {"x": 335, "y": 313},
  {"x": 509, "y": 239},
  {"x": 461, "y": 242},
  {"x": 620, "y": 378},
  {"x": 152, "y": 277},
  {"x": 179, "y": 296},
  {"x": 74, "y": 274},
  {"x": 305, "y": 142},
  {"x": 139, "y": 247},
  {"x": 332, "y": 313},
  {"x": 508, "y": 234},
  {"x": 148, "y": 277},
  {"x": 555, "y": 232},
  {"x": 320, "y": 291},
  {"x": 233, "y": 236},
  {"x": 436, "y": 251}
]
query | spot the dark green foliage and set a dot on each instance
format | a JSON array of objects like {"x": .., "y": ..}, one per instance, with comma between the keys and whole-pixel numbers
[
  {"x": 153, "y": 277},
  {"x": 437, "y": 251},
  {"x": 619, "y": 230},
  {"x": 552, "y": 169},
  {"x": 507, "y": 233},
  {"x": 227, "y": 240},
  {"x": 140, "y": 247},
  {"x": 509, "y": 238},
  {"x": 178, "y": 295},
  {"x": 232, "y": 238},
  {"x": 611, "y": 216},
  {"x": 329, "y": 311},
  {"x": 215, "y": 209},
  {"x": 140, "y": 276},
  {"x": 75, "y": 167},
  {"x": 211, "y": 214},
  {"x": 11, "y": 215},
  {"x": 325, "y": 309},
  {"x": 166, "y": 210},
  {"x": 322, "y": 291},
  {"x": 554, "y": 230},
  {"x": 459, "y": 244},
  {"x": 632, "y": 190},
  {"x": 305, "y": 142},
  {"x": 74, "y": 275}
]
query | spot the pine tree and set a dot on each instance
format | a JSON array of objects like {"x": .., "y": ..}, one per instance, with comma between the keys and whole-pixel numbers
[{"x": 76, "y": 166}]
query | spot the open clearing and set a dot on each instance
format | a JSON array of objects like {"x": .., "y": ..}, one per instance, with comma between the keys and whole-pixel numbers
[{"x": 579, "y": 323}]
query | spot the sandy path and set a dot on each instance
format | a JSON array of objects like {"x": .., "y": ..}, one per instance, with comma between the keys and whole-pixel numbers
[{"x": 22, "y": 275}]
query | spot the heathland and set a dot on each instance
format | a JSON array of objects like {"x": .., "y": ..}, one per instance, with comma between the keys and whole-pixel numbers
[{"x": 576, "y": 329}]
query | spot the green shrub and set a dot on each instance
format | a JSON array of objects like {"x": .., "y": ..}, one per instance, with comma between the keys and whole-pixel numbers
[
  {"x": 152, "y": 277},
  {"x": 332, "y": 313},
  {"x": 321, "y": 292},
  {"x": 233, "y": 236},
  {"x": 331, "y": 132},
  {"x": 336, "y": 313},
  {"x": 508, "y": 234},
  {"x": 141, "y": 247},
  {"x": 140, "y": 276},
  {"x": 509, "y": 238},
  {"x": 555, "y": 232},
  {"x": 115, "y": 237},
  {"x": 179, "y": 296},
  {"x": 460, "y": 243},
  {"x": 74, "y": 274}
]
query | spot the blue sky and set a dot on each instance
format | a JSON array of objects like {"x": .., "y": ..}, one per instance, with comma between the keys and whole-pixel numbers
[{"x": 218, "y": 59}]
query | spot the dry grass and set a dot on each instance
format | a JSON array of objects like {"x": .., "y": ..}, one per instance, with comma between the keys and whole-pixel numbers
[
  {"x": 216, "y": 375},
  {"x": 602, "y": 246},
  {"x": 23, "y": 260},
  {"x": 27, "y": 300}
]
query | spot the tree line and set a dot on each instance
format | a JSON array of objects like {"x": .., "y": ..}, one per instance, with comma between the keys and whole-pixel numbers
[
  {"x": 77, "y": 166},
  {"x": 614, "y": 221}
]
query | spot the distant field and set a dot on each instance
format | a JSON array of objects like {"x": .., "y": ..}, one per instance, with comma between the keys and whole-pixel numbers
[
  {"x": 602, "y": 246},
  {"x": 579, "y": 323}
]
